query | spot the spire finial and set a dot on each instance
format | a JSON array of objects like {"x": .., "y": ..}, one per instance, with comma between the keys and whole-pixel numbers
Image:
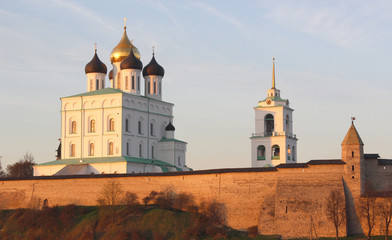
[
  {"x": 95, "y": 47},
  {"x": 273, "y": 73},
  {"x": 153, "y": 50},
  {"x": 125, "y": 23},
  {"x": 352, "y": 120}
]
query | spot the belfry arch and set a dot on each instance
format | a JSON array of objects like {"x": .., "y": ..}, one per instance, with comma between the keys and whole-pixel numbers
[{"x": 269, "y": 124}]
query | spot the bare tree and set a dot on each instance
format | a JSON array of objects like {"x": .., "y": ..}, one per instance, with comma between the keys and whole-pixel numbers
[
  {"x": 22, "y": 168},
  {"x": 368, "y": 211},
  {"x": 384, "y": 209},
  {"x": 2, "y": 173},
  {"x": 111, "y": 194},
  {"x": 336, "y": 209}
]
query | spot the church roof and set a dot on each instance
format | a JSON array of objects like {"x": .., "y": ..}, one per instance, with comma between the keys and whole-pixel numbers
[
  {"x": 170, "y": 127},
  {"x": 83, "y": 161},
  {"x": 131, "y": 62},
  {"x": 153, "y": 68},
  {"x": 164, "y": 139},
  {"x": 95, "y": 65},
  {"x": 352, "y": 137},
  {"x": 98, "y": 92}
]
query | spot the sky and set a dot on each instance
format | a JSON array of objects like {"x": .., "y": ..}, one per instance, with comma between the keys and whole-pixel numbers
[{"x": 333, "y": 62}]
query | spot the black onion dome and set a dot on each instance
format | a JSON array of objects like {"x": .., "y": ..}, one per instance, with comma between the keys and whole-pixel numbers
[
  {"x": 153, "y": 68},
  {"x": 95, "y": 65},
  {"x": 170, "y": 127},
  {"x": 131, "y": 62},
  {"x": 111, "y": 74}
]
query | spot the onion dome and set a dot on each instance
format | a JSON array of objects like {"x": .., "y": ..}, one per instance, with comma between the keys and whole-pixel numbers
[
  {"x": 131, "y": 62},
  {"x": 123, "y": 48},
  {"x": 170, "y": 127},
  {"x": 153, "y": 68},
  {"x": 95, "y": 65},
  {"x": 111, "y": 74}
]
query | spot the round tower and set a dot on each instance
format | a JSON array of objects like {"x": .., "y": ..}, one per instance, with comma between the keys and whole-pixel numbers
[
  {"x": 130, "y": 73},
  {"x": 95, "y": 72},
  {"x": 153, "y": 74}
]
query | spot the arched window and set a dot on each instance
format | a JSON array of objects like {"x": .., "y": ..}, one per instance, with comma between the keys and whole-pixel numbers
[
  {"x": 149, "y": 87},
  {"x": 179, "y": 161},
  {"x": 275, "y": 153},
  {"x": 73, "y": 127},
  {"x": 127, "y": 148},
  {"x": 261, "y": 152},
  {"x": 269, "y": 124},
  {"x": 152, "y": 151},
  {"x": 155, "y": 87},
  {"x": 111, "y": 124},
  {"x": 133, "y": 82},
  {"x": 152, "y": 129},
  {"x": 140, "y": 150},
  {"x": 126, "y": 125},
  {"x": 160, "y": 88},
  {"x": 110, "y": 152},
  {"x": 138, "y": 82},
  {"x": 293, "y": 153},
  {"x": 118, "y": 81},
  {"x": 97, "y": 84},
  {"x": 91, "y": 149},
  {"x": 288, "y": 128},
  {"x": 126, "y": 83},
  {"x": 92, "y": 125},
  {"x": 72, "y": 150},
  {"x": 139, "y": 127},
  {"x": 288, "y": 152}
]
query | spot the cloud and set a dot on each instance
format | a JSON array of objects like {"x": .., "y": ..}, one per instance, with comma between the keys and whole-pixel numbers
[
  {"x": 214, "y": 12},
  {"x": 342, "y": 23}
]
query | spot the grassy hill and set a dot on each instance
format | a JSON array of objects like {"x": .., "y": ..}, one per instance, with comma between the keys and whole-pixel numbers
[{"x": 116, "y": 222}]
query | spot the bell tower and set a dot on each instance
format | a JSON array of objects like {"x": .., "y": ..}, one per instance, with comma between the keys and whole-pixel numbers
[{"x": 273, "y": 142}]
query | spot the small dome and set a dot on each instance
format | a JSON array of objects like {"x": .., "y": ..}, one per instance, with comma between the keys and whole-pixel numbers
[
  {"x": 111, "y": 74},
  {"x": 123, "y": 48},
  {"x": 131, "y": 62},
  {"x": 170, "y": 127},
  {"x": 95, "y": 65},
  {"x": 153, "y": 68}
]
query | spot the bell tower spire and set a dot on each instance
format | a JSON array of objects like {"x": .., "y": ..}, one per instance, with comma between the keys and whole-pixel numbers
[{"x": 273, "y": 73}]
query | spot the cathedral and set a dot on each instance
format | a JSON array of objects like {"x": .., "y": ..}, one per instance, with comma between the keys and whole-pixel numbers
[
  {"x": 273, "y": 142},
  {"x": 118, "y": 129}
]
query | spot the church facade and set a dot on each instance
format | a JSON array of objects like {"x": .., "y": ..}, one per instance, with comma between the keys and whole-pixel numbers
[
  {"x": 273, "y": 142},
  {"x": 118, "y": 129}
]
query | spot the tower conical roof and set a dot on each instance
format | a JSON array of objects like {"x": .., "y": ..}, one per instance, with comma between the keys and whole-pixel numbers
[
  {"x": 123, "y": 48},
  {"x": 131, "y": 62},
  {"x": 153, "y": 68},
  {"x": 170, "y": 127},
  {"x": 352, "y": 137},
  {"x": 95, "y": 65}
]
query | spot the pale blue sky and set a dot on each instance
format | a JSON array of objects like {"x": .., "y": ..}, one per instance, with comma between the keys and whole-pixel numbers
[{"x": 333, "y": 62}]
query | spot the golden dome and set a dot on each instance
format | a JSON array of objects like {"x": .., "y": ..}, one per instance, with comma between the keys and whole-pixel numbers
[{"x": 123, "y": 48}]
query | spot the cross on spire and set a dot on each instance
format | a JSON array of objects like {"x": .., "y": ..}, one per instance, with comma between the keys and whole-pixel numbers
[
  {"x": 153, "y": 50},
  {"x": 95, "y": 47},
  {"x": 125, "y": 23},
  {"x": 352, "y": 120}
]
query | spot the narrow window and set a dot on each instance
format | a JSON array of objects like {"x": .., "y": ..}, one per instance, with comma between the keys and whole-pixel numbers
[
  {"x": 126, "y": 125},
  {"x": 111, "y": 124},
  {"x": 179, "y": 161},
  {"x": 103, "y": 84},
  {"x": 133, "y": 82},
  {"x": 152, "y": 129},
  {"x": 72, "y": 152},
  {"x": 152, "y": 151},
  {"x": 138, "y": 82},
  {"x": 148, "y": 88},
  {"x": 126, "y": 83},
  {"x": 110, "y": 148},
  {"x": 91, "y": 149},
  {"x": 140, "y": 150},
  {"x": 139, "y": 127},
  {"x": 160, "y": 87},
  {"x": 352, "y": 154},
  {"x": 128, "y": 148},
  {"x": 73, "y": 127},
  {"x": 97, "y": 84},
  {"x": 118, "y": 81},
  {"x": 155, "y": 88},
  {"x": 352, "y": 167},
  {"x": 92, "y": 125}
]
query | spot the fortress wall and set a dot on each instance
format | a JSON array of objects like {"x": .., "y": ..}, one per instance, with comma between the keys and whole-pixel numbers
[
  {"x": 378, "y": 176},
  {"x": 301, "y": 202},
  {"x": 242, "y": 192}
]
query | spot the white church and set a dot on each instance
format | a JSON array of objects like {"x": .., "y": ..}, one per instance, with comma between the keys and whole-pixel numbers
[
  {"x": 118, "y": 129},
  {"x": 273, "y": 142}
]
